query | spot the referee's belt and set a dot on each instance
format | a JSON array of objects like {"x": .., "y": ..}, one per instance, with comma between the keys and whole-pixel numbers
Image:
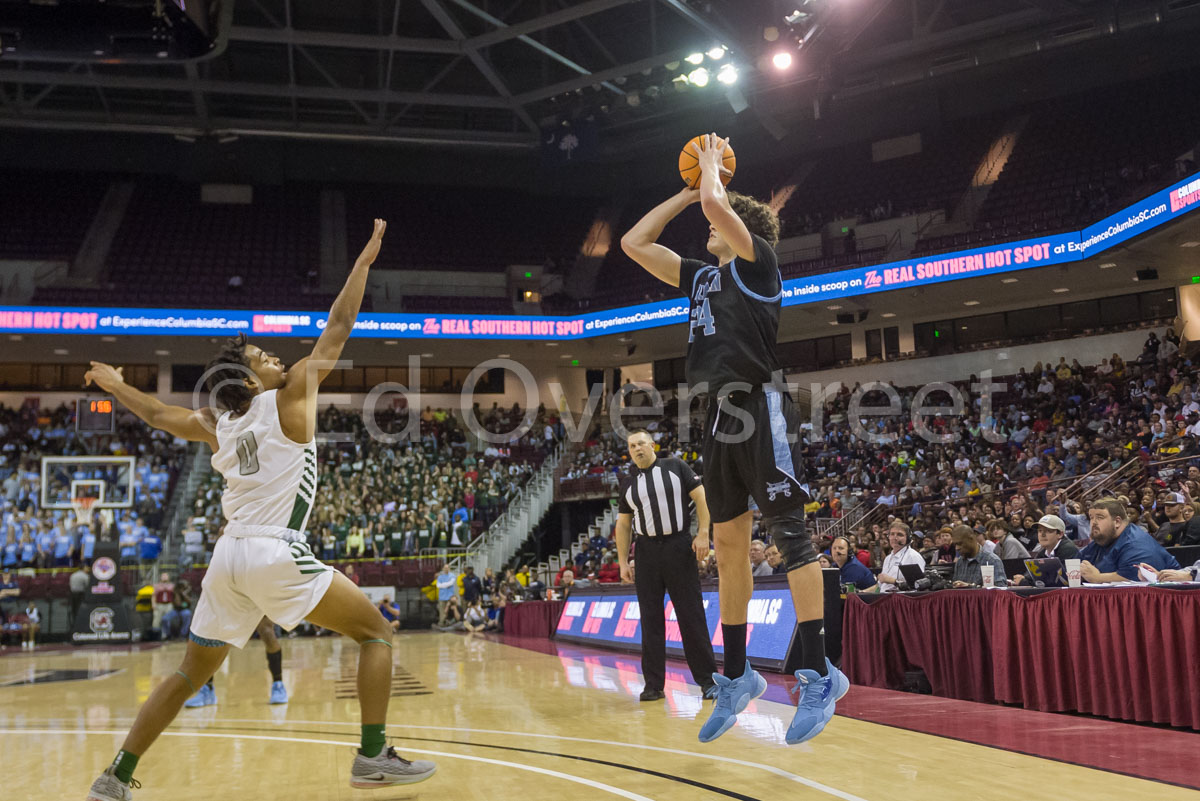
[{"x": 658, "y": 536}]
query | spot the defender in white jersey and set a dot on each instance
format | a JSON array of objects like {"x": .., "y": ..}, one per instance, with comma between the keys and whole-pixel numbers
[{"x": 263, "y": 442}]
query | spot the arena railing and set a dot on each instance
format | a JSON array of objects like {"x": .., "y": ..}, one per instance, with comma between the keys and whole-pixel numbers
[
  {"x": 1156, "y": 468},
  {"x": 494, "y": 546},
  {"x": 1129, "y": 472},
  {"x": 854, "y": 517},
  {"x": 1123, "y": 472},
  {"x": 1089, "y": 478}
]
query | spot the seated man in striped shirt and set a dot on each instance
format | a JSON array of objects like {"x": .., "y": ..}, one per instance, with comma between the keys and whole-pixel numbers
[{"x": 971, "y": 558}]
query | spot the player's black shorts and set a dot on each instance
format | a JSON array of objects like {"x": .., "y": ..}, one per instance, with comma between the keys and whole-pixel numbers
[{"x": 757, "y": 461}]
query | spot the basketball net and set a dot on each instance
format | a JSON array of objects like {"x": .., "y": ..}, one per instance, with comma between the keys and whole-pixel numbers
[{"x": 83, "y": 510}]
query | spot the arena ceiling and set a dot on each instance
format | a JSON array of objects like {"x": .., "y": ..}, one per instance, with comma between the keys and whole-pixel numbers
[{"x": 501, "y": 73}]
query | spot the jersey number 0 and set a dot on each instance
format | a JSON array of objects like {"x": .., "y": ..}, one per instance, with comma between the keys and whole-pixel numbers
[{"x": 247, "y": 453}]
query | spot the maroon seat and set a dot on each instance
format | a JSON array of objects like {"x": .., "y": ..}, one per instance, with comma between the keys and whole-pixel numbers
[
  {"x": 60, "y": 585},
  {"x": 39, "y": 587}
]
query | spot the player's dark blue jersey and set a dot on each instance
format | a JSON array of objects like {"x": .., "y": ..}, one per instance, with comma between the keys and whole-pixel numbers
[{"x": 734, "y": 319}]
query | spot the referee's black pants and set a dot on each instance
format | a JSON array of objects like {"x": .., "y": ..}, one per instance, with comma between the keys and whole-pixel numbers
[{"x": 668, "y": 565}]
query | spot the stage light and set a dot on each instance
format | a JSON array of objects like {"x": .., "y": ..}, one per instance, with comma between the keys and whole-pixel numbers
[
  {"x": 698, "y": 77},
  {"x": 717, "y": 53},
  {"x": 727, "y": 75},
  {"x": 695, "y": 58},
  {"x": 782, "y": 60}
]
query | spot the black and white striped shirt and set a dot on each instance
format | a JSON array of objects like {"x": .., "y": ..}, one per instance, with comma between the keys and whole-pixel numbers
[{"x": 657, "y": 497}]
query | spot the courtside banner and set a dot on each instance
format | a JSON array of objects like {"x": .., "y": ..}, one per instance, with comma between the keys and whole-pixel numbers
[{"x": 615, "y": 619}]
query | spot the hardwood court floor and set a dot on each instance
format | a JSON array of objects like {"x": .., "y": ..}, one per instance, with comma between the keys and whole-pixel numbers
[{"x": 500, "y": 721}]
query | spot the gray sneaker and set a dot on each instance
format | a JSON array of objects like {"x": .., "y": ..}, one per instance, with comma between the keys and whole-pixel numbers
[
  {"x": 109, "y": 788},
  {"x": 385, "y": 769}
]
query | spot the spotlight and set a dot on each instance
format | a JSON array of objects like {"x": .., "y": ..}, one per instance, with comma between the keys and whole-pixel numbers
[
  {"x": 782, "y": 60},
  {"x": 717, "y": 53},
  {"x": 727, "y": 75},
  {"x": 695, "y": 58},
  {"x": 633, "y": 99},
  {"x": 698, "y": 77}
]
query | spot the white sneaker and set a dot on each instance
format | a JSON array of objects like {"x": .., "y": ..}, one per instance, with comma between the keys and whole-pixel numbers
[
  {"x": 109, "y": 788},
  {"x": 385, "y": 769}
]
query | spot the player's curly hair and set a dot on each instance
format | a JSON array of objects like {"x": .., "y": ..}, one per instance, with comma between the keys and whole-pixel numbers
[
  {"x": 757, "y": 216},
  {"x": 227, "y": 373}
]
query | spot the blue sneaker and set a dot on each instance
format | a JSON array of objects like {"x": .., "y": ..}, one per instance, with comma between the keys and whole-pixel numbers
[
  {"x": 205, "y": 696},
  {"x": 278, "y": 693},
  {"x": 733, "y": 696},
  {"x": 818, "y": 698}
]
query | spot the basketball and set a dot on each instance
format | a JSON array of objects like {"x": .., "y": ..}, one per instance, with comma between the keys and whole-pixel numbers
[{"x": 689, "y": 165}]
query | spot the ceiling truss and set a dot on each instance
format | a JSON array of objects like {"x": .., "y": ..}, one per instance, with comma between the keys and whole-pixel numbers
[{"x": 468, "y": 72}]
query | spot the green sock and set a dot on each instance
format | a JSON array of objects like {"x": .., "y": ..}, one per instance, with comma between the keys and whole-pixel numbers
[
  {"x": 124, "y": 764},
  {"x": 373, "y": 740}
]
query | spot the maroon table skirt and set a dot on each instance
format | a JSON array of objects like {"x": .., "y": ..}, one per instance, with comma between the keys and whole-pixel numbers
[
  {"x": 1122, "y": 653},
  {"x": 532, "y": 618}
]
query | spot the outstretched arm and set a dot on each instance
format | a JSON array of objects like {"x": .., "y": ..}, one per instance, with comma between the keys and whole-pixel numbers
[
  {"x": 197, "y": 426},
  {"x": 714, "y": 200},
  {"x": 342, "y": 314},
  {"x": 640, "y": 243},
  {"x": 298, "y": 396}
]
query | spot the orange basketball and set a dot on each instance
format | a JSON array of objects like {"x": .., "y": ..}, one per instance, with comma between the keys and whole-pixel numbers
[{"x": 689, "y": 165}]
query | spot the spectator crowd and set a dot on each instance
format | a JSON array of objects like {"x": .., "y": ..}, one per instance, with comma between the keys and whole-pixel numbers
[
  {"x": 34, "y": 536},
  {"x": 379, "y": 499},
  {"x": 1047, "y": 440}
]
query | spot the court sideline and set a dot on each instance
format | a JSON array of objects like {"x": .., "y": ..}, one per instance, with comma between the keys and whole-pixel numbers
[{"x": 498, "y": 720}]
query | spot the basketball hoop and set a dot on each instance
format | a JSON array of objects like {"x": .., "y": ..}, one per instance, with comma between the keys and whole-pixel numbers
[{"x": 83, "y": 510}]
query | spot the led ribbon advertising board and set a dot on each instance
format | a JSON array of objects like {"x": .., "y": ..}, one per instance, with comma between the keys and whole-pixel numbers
[{"x": 1151, "y": 212}]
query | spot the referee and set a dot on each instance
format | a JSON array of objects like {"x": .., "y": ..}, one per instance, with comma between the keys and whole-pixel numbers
[{"x": 653, "y": 503}]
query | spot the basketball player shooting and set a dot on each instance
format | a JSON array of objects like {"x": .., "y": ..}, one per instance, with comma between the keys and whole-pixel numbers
[
  {"x": 263, "y": 443},
  {"x": 746, "y": 451}
]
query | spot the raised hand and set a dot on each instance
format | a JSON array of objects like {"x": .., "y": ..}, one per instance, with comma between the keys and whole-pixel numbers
[
  {"x": 710, "y": 152},
  {"x": 104, "y": 376},
  {"x": 371, "y": 250}
]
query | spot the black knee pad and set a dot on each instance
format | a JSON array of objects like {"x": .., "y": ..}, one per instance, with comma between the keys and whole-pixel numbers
[{"x": 788, "y": 533}]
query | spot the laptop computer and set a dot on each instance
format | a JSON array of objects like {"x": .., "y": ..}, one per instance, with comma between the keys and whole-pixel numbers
[
  {"x": 912, "y": 574},
  {"x": 1013, "y": 567},
  {"x": 1046, "y": 572}
]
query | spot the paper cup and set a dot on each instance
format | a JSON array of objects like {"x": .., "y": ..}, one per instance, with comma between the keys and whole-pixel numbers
[
  {"x": 989, "y": 576},
  {"x": 1074, "y": 574}
]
